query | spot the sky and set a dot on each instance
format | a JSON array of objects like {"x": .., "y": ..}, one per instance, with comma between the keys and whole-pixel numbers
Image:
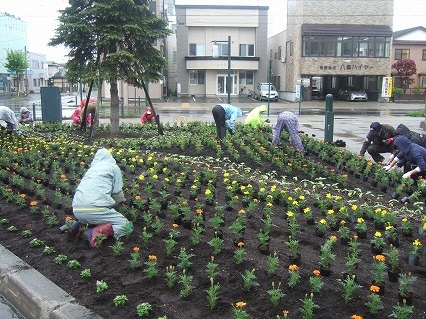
[{"x": 41, "y": 17}]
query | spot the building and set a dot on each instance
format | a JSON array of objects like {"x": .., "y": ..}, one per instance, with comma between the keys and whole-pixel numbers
[
  {"x": 411, "y": 44},
  {"x": 238, "y": 37},
  {"x": 37, "y": 73},
  {"x": 13, "y": 36},
  {"x": 334, "y": 44}
]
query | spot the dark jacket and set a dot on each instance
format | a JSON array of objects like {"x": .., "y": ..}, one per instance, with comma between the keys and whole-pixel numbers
[
  {"x": 412, "y": 152},
  {"x": 377, "y": 138},
  {"x": 419, "y": 139}
]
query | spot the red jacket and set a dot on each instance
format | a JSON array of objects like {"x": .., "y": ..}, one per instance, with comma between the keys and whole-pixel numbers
[
  {"x": 76, "y": 117},
  {"x": 148, "y": 116}
]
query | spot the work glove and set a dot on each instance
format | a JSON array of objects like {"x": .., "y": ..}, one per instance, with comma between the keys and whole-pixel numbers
[
  {"x": 267, "y": 121},
  {"x": 406, "y": 175},
  {"x": 387, "y": 167},
  {"x": 388, "y": 141},
  {"x": 231, "y": 131},
  {"x": 19, "y": 132}
]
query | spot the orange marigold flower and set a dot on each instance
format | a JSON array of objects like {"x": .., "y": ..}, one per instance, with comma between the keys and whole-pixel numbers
[
  {"x": 152, "y": 257},
  {"x": 137, "y": 197},
  {"x": 241, "y": 211},
  {"x": 22, "y": 195},
  {"x": 82, "y": 163},
  {"x": 199, "y": 211},
  {"x": 175, "y": 225},
  {"x": 345, "y": 175},
  {"x": 240, "y": 304},
  {"x": 316, "y": 272},
  {"x": 9, "y": 190},
  {"x": 240, "y": 244},
  {"x": 293, "y": 267},
  {"x": 68, "y": 218},
  {"x": 374, "y": 288},
  {"x": 33, "y": 203},
  {"x": 289, "y": 164},
  {"x": 136, "y": 249},
  {"x": 356, "y": 317},
  {"x": 63, "y": 176},
  {"x": 380, "y": 258},
  {"x": 184, "y": 203}
]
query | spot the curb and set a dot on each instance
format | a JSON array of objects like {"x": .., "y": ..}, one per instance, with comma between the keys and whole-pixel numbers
[{"x": 35, "y": 296}]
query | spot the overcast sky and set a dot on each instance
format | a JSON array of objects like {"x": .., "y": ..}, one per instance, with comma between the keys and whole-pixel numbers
[{"x": 41, "y": 17}]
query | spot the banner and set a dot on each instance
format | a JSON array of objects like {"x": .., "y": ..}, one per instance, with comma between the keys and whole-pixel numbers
[{"x": 387, "y": 86}]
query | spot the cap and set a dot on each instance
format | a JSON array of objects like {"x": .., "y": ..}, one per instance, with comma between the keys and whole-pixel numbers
[{"x": 375, "y": 126}]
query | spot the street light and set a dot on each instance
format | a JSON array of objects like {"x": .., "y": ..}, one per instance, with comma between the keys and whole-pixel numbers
[{"x": 215, "y": 54}]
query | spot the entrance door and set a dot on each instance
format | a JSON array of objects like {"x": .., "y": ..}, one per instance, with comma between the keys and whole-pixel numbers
[{"x": 221, "y": 84}]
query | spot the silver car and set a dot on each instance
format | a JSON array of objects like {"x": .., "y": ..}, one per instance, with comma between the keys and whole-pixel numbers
[{"x": 352, "y": 94}]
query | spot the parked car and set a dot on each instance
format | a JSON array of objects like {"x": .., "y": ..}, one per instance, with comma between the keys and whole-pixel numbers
[
  {"x": 263, "y": 89},
  {"x": 352, "y": 94}
]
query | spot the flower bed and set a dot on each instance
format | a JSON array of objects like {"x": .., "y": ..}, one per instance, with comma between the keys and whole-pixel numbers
[{"x": 236, "y": 195}]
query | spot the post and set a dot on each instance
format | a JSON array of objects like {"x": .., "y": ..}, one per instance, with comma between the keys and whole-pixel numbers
[
  {"x": 329, "y": 119},
  {"x": 269, "y": 83},
  {"x": 34, "y": 112},
  {"x": 230, "y": 83}
]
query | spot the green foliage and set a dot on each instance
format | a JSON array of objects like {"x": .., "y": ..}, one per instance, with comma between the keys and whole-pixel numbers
[{"x": 16, "y": 62}]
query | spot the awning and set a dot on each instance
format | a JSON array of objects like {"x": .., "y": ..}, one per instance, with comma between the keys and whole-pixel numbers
[{"x": 347, "y": 30}]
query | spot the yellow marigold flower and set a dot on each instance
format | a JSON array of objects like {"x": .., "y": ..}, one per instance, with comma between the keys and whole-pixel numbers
[
  {"x": 374, "y": 288},
  {"x": 269, "y": 204},
  {"x": 141, "y": 177},
  {"x": 136, "y": 249},
  {"x": 316, "y": 272},
  {"x": 380, "y": 258},
  {"x": 333, "y": 238},
  {"x": 152, "y": 257},
  {"x": 323, "y": 221},
  {"x": 360, "y": 220},
  {"x": 293, "y": 267},
  {"x": 289, "y": 198},
  {"x": 354, "y": 207},
  {"x": 404, "y": 220},
  {"x": 306, "y": 210},
  {"x": 208, "y": 191},
  {"x": 301, "y": 197},
  {"x": 417, "y": 243},
  {"x": 330, "y": 212},
  {"x": 240, "y": 304},
  {"x": 290, "y": 214},
  {"x": 377, "y": 234},
  {"x": 328, "y": 195},
  {"x": 241, "y": 211}
]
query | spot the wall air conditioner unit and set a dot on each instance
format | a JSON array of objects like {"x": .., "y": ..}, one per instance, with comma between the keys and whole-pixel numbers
[{"x": 282, "y": 60}]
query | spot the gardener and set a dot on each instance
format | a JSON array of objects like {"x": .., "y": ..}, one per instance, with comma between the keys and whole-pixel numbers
[
  {"x": 413, "y": 153},
  {"x": 76, "y": 117},
  {"x": 223, "y": 113},
  {"x": 99, "y": 190},
  {"x": 402, "y": 130},
  {"x": 377, "y": 142},
  {"x": 25, "y": 116},
  {"x": 254, "y": 118},
  {"x": 148, "y": 116},
  {"x": 287, "y": 121},
  {"x": 7, "y": 115}
]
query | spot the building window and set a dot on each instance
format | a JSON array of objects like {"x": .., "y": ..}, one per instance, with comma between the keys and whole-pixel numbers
[
  {"x": 345, "y": 46},
  {"x": 196, "y": 49},
  {"x": 279, "y": 53},
  {"x": 423, "y": 81},
  {"x": 424, "y": 55},
  {"x": 403, "y": 54},
  {"x": 246, "y": 77},
  {"x": 197, "y": 76},
  {"x": 220, "y": 49},
  {"x": 246, "y": 49}
]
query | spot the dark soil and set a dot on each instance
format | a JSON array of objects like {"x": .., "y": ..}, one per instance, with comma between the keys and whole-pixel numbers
[{"x": 167, "y": 302}]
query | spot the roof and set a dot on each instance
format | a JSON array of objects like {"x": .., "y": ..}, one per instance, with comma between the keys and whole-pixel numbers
[
  {"x": 347, "y": 29},
  {"x": 400, "y": 33}
]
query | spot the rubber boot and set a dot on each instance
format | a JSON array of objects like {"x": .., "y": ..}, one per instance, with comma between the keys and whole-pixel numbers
[{"x": 104, "y": 230}]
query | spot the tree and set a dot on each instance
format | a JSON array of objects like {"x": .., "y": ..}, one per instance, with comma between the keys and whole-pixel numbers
[
  {"x": 16, "y": 62},
  {"x": 111, "y": 40},
  {"x": 405, "y": 68}
]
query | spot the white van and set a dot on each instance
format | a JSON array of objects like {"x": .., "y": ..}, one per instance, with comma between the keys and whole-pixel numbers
[{"x": 263, "y": 89}]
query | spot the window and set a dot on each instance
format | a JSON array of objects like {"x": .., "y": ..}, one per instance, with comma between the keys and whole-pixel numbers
[
  {"x": 220, "y": 49},
  {"x": 246, "y": 77},
  {"x": 402, "y": 54},
  {"x": 197, "y": 49},
  {"x": 424, "y": 55},
  {"x": 345, "y": 46},
  {"x": 196, "y": 76},
  {"x": 246, "y": 49},
  {"x": 279, "y": 53}
]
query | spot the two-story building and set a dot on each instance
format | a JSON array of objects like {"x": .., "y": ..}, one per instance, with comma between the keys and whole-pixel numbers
[
  {"x": 333, "y": 45},
  {"x": 220, "y": 42}
]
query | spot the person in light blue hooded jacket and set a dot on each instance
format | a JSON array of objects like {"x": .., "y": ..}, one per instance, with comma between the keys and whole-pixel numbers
[
  {"x": 413, "y": 153},
  {"x": 99, "y": 190},
  {"x": 221, "y": 114}
]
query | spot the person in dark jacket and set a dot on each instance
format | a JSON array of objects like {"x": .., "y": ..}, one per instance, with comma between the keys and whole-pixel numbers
[
  {"x": 402, "y": 130},
  {"x": 413, "y": 153},
  {"x": 287, "y": 121},
  {"x": 148, "y": 116},
  {"x": 223, "y": 113},
  {"x": 376, "y": 141}
]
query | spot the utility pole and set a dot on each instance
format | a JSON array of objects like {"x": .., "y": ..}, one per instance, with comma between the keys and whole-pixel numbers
[{"x": 26, "y": 73}]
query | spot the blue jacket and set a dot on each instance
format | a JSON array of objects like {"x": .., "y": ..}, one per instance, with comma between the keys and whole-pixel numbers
[
  {"x": 412, "y": 152},
  {"x": 231, "y": 114}
]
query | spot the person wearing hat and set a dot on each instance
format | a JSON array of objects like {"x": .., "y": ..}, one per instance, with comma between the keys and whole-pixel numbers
[
  {"x": 148, "y": 116},
  {"x": 377, "y": 141},
  {"x": 25, "y": 116},
  {"x": 412, "y": 153},
  {"x": 254, "y": 118},
  {"x": 7, "y": 115},
  {"x": 225, "y": 116},
  {"x": 287, "y": 121}
]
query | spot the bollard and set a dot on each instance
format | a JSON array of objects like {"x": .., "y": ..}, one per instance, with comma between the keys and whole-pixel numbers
[
  {"x": 34, "y": 112},
  {"x": 329, "y": 119},
  {"x": 122, "y": 106}
]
